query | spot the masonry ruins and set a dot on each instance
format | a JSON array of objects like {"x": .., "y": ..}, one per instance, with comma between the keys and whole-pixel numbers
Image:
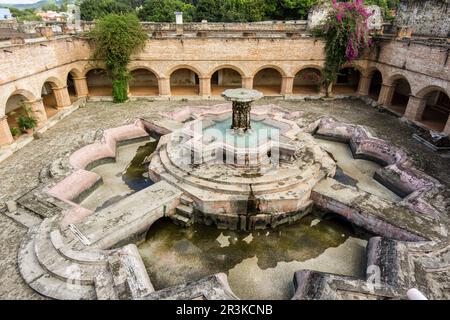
[{"x": 80, "y": 235}]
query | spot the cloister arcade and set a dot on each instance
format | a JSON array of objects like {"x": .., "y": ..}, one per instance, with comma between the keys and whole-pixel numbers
[{"x": 428, "y": 107}]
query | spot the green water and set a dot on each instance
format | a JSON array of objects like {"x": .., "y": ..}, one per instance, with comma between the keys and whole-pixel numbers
[
  {"x": 136, "y": 174},
  {"x": 259, "y": 264}
]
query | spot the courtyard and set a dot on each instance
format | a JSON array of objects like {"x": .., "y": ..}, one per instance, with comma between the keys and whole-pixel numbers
[{"x": 23, "y": 171}]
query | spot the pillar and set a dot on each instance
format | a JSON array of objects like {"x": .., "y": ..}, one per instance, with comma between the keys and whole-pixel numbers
[
  {"x": 205, "y": 87},
  {"x": 447, "y": 127},
  {"x": 164, "y": 86},
  {"x": 6, "y": 137},
  {"x": 62, "y": 97},
  {"x": 364, "y": 86},
  {"x": 247, "y": 82},
  {"x": 38, "y": 110},
  {"x": 415, "y": 108},
  {"x": 386, "y": 94},
  {"x": 287, "y": 85},
  {"x": 81, "y": 87}
]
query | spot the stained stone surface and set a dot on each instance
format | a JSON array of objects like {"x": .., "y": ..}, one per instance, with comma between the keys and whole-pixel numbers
[{"x": 25, "y": 173}]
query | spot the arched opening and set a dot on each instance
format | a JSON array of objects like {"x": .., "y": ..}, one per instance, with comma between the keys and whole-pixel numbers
[
  {"x": 400, "y": 98},
  {"x": 73, "y": 94},
  {"x": 15, "y": 107},
  {"x": 143, "y": 83},
  {"x": 184, "y": 82},
  {"x": 376, "y": 82},
  {"x": 268, "y": 81},
  {"x": 99, "y": 83},
  {"x": 347, "y": 81},
  {"x": 437, "y": 110},
  {"x": 224, "y": 79},
  {"x": 307, "y": 81},
  {"x": 49, "y": 99}
]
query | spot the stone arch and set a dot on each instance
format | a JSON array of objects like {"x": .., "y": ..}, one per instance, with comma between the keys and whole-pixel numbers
[
  {"x": 268, "y": 80},
  {"x": 98, "y": 81},
  {"x": 137, "y": 67},
  {"x": 13, "y": 106},
  {"x": 143, "y": 82},
  {"x": 307, "y": 80},
  {"x": 376, "y": 82},
  {"x": 185, "y": 66},
  {"x": 400, "y": 93},
  {"x": 225, "y": 77},
  {"x": 424, "y": 91},
  {"x": 227, "y": 66},
  {"x": 53, "y": 95},
  {"x": 436, "y": 108},
  {"x": 348, "y": 79},
  {"x": 184, "y": 81}
]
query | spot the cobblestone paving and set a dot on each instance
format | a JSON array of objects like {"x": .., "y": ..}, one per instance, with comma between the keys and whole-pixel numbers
[{"x": 20, "y": 172}]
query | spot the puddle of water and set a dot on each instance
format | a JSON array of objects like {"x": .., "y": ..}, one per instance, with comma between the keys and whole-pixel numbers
[
  {"x": 123, "y": 177},
  {"x": 259, "y": 264},
  {"x": 356, "y": 172}
]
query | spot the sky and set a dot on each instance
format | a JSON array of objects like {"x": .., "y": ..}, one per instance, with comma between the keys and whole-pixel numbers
[{"x": 18, "y": 1}]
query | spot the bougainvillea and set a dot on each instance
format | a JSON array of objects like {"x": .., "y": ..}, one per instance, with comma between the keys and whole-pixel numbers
[{"x": 346, "y": 34}]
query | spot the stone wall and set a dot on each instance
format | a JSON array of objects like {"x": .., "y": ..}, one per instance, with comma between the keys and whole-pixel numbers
[{"x": 429, "y": 18}]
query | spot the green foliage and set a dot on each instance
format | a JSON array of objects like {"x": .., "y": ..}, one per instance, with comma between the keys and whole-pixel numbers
[
  {"x": 116, "y": 38},
  {"x": 346, "y": 35},
  {"x": 385, "y": 5},
  {"x": 198, "y": 10},
  {"x": 120, "y": 89},
  {"x": 26, "y": 119},
  {"x": 50, "y": 6},
  {"x": 15, "y": 132},
  {"x": 96, "y": 9},
  {"x": 163, "y": 10},
  {"x": 25, "y": 15}
]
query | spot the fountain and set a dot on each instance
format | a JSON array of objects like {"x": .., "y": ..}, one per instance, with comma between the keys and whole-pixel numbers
[{"x": 242, "y": 100}]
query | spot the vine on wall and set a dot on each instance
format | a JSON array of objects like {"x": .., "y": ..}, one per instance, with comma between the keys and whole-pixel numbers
[
  {"x": 346, "y": 34},
  {"x": 116, "y": 37}
]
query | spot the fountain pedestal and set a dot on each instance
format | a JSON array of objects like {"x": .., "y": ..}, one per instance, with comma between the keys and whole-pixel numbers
[
  {"x": 242, "y": 100},
  {"x": 241, "y": 116}
]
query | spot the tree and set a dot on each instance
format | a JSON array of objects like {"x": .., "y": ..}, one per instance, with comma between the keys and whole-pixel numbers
[
  {"x": 25, "y": 15},
  {"x": 116, "y": 38},
  {"x": 50, "y": 6},
  {"x": 95, "y": 9},
  {"x": 163, "y": 10}
]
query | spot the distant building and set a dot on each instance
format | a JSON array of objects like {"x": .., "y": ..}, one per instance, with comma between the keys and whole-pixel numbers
[
  {"x": 5, "y": 14},
  {"x": 52, "y": 16}
]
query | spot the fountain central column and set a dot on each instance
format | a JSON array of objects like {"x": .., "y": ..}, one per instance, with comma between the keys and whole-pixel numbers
[
  {"x": 241, "y": 115},
  {"x": 242, "y": 100}
]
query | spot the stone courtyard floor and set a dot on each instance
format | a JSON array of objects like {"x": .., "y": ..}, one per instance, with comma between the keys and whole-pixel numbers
[{"x": 20, "y": 173}]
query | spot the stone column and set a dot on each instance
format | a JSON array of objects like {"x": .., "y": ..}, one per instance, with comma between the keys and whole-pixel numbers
[
  {"x": 6, "y": 137},
  {"x": 447, "y": 127},
  {"x": 364, "y": 86},
  {"x": 287, "y": 85},
  {"x": 81, "y": 87},
  {"x": 416, "y": 107},
  {"x": 386, "y": 94},
  {"x": 38, "y": 110},
  {"x": 247, "y": 82},
  {"x": 205, "y": 87},
  {"x": 164, "y": 86},
  {"x": 62, "y": 97}
]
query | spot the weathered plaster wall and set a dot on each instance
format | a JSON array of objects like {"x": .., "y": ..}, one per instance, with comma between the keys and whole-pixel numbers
[{"x": 431, "y": 17}]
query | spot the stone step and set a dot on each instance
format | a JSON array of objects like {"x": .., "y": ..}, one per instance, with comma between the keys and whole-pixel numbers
[
  {"x": 57, "y": 265},
  {"x": 43, "y": 209},
  {"x": 185, "y": 200},
  {"x": 184, "y": 211},
  {"x": 187, "y": 169},
  {"x": 181, "y": 221},
  {"x": 43, "y": 282},
  {"x": 25, "y": 217}
]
